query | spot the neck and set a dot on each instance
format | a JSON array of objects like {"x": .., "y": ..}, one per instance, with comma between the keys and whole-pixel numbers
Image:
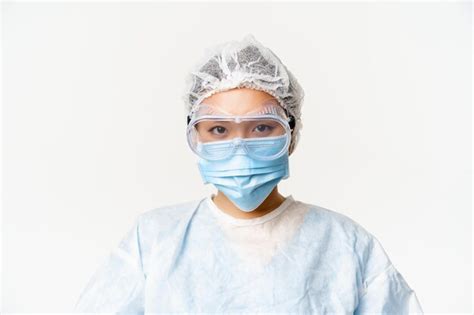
[{"x": 273, "y": 201}]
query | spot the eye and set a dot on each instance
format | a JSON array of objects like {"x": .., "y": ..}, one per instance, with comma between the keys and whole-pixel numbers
[
  {"x": 263, "y": 128},
  {"x": 218, "y": 130}
]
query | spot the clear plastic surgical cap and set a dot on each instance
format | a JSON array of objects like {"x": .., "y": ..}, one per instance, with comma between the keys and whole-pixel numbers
[{"x": 245, "y": 63}]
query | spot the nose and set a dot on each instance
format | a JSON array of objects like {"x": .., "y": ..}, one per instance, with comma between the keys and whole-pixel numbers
[
  {"x": 239, "y": 131},
  {"x": 239, "y": 146},
  {"x": 237, "y": 141}
]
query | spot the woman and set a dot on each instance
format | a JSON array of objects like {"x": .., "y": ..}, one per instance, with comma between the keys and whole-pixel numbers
[{"x": 246, "y": 248}]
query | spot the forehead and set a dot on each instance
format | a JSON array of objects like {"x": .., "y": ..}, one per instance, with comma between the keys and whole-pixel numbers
[{"x": 239, "y": 101}]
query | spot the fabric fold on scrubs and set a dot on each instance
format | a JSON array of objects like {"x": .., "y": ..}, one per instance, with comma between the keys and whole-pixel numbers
[{"x": 299, "y": 258}]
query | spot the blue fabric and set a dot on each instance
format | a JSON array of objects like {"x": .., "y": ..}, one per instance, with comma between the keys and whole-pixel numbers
[
  {"x": 258, "y": 148},
  {"x": 245, "y": 180},
  {"x": 299, "y": 258}
]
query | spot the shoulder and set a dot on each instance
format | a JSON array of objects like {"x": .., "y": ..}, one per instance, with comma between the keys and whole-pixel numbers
[
  {"x": 335, "y": 222},
  {"x": 176, "y": 209},
  {"x": 166, "y": 216},
  {"x": 156, "y": 224},
  {"x": 343, "y": 231}
]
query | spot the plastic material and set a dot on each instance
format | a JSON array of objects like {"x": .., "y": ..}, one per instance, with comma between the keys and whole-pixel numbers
[{"x": 214, "y": 135}]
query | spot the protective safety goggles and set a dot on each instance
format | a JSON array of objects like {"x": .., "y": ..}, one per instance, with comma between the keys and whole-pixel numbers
[{"x": 215, "y": 135}]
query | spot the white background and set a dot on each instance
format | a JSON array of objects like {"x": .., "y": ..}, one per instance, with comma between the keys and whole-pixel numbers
[{"x": 94, "y": 130}]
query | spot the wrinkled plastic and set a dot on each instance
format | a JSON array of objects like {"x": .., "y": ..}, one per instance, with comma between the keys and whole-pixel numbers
[
  {"x": 299, "y": 258},
  {"x": 245, "y": 63}
]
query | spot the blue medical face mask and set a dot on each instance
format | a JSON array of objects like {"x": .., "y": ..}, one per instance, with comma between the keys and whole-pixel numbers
[{"x": 245, "y": 180}]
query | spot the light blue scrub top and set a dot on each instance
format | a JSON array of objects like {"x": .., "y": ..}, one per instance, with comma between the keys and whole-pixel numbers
[{"x": 299, "y": 258}]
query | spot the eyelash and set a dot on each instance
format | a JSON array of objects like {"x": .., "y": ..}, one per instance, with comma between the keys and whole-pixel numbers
[
  {"x": 215, "y": 127},
  {"x": 267, "y": 128}
]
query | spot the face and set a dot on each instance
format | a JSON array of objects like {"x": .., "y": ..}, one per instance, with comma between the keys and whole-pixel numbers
[{"x": 239, "y": 101}]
